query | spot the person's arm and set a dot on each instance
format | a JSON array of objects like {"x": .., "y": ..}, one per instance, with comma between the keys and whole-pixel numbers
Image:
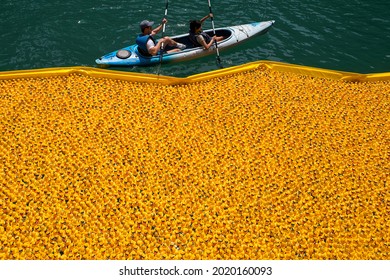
[
  {"x": 206, "y": 17},
  {"x": 206, "y": 46},
  {"x": 153, "y": 49},
  {"x": 158, "y": 28}
]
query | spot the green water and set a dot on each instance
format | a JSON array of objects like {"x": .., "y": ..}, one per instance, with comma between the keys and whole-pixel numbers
[{"x": 350, "y": 35}]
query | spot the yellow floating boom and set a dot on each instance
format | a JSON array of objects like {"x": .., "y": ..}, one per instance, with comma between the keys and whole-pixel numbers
[{"x": 151, "y": 78}]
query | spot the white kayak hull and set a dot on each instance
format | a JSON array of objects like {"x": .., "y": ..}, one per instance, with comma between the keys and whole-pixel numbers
[{"x": 129, "y": 56}]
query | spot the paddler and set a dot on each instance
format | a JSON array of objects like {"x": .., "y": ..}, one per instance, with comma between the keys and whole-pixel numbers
[
  {"x": 200, "y": 38},
  {"x": 148, "y": 46}
]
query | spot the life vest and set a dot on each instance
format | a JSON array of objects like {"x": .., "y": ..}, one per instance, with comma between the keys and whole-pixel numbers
[
  {"x": 142, "y": 41},
  {"x": 193, "y": 39}
]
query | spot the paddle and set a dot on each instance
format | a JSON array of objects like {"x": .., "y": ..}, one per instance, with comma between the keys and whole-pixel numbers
[
  {"x": 163, "y": 31},
  {"x": 216, "y": 44}
]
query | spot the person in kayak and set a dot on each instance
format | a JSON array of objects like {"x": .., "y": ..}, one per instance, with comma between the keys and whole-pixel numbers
[
  {"x": 148, "y": 46},
  {"x": 200, "y": 38}
]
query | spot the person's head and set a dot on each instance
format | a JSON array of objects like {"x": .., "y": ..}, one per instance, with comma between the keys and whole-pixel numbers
[
  {"x": 146, "y": 26},
  {"x": 195, "y": 25}
]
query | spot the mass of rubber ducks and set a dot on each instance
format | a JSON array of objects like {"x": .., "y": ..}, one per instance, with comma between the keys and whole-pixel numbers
[{"x": 255, "y": 165}]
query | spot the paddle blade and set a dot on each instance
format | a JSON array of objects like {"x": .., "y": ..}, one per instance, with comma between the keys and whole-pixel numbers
[{"x": 219, "y": 63}]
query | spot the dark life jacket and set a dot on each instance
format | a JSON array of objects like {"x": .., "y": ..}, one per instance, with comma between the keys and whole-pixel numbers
[
  {"x": 142, "y": 41},
  {"x": 205, "y": 36}
]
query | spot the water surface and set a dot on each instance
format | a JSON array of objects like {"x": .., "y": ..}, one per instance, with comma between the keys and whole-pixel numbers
[{"x": 350, "y": 35}]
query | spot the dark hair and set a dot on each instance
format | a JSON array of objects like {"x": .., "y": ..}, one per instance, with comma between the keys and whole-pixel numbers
[{"x": 195, "y": 24}]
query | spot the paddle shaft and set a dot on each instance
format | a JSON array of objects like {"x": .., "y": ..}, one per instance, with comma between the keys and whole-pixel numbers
[
  {"x": 162, "y": 34},
  {"x": 165, "y": 16},
  {"x": 163, "y": 31},
  {"x": 215, "y": 41}
]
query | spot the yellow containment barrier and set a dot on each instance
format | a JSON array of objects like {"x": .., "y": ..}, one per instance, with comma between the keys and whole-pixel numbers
[
  {"x": 151, "y": 78},
  {"x": 261, "y": 161}
]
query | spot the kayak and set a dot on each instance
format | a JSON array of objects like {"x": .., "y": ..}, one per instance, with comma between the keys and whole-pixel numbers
[{"x": 129, "y": 56}]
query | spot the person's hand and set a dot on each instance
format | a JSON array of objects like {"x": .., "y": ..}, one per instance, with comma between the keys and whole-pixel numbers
[
  {"x": 211, "y": 15},
  {"x": 164, "y": 21}
]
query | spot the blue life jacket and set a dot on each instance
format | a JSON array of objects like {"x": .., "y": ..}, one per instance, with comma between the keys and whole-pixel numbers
[
  {"x": 193, "y": 39},
  {"x": 141, "y": 42}
]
